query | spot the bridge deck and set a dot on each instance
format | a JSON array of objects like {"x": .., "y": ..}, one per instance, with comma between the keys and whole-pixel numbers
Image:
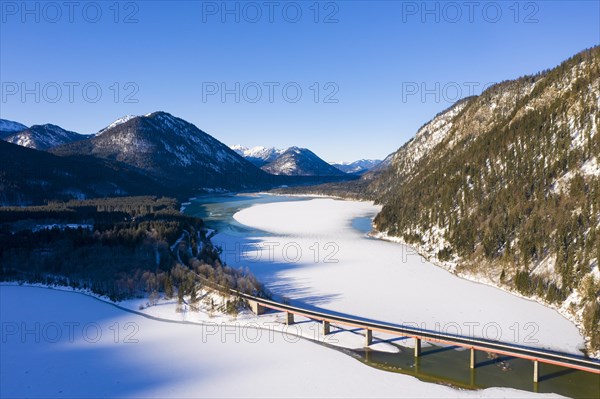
[{"x": 502, "y": 348}]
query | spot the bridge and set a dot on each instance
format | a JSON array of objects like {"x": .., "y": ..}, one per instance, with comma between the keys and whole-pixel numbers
[{"x": 537, "y": 356}]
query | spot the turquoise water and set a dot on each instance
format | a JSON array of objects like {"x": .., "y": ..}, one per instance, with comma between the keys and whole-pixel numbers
[{"x": 218, "y": 211}]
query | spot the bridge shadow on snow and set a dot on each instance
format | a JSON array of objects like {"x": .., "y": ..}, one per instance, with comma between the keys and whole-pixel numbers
[
  {"x": 338, "y": 329},
  {"x": 83, "y": 367},
  {"x": 242, "y": 252}
]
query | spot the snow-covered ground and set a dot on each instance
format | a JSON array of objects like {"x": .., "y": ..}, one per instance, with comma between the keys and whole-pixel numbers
[
  {"x": 63, "y": 344},
  {"x": 313, "y": 256}
]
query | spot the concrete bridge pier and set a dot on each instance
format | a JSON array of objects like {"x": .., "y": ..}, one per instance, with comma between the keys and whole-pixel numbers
[
  {"x": 472, "y": 377},
  {"x": 326, "y": 327},
  {"x": 536, "y": 371},
  {"x": 289, "y": 318},
  {"x": 417, "y": 365},
  {"x": 472, "y": 363},
  {"x": 257, "y": 308},
  {"x": 417, "y": 347},
  {"x": 368, "y": 337}
]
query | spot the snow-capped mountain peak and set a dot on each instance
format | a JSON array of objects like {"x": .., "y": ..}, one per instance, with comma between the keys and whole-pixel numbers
[
  {"x": 240, "y": 149},
  {"x": 357, "y": 167},
  {"x": 292, "y": 161},
  {"x": 258, "y": 155},
  {"x": 166, "y": 147},
  {"x": 297, "y": 161},
  {"x": 119, "y": 121}
]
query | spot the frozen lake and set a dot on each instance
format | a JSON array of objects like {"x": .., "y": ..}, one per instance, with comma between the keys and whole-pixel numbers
[{"x": 315, "y": 252}]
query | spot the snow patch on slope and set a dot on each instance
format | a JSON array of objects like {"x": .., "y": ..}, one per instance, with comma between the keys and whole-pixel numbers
[
  {"x": 116, "y": 123},
  {"x": 267, "y": 154}
]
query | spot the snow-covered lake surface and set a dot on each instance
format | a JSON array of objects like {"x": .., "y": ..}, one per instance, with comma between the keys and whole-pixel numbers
[
  {"x": 312, "y": 253},
  {"x": 63, "y": 344}
]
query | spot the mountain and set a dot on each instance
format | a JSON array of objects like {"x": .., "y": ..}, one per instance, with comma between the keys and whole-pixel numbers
[
  {"x": 293, "y": 161},
  {"x": 29, "y": 176},
  {"x": 43, "y": 137},
  {"x": 119, "y": 121},
  {"x": 9, "y": 127},
  {"x": 402, "y": 162},
  {"x": 172, "y": 151},
  {"x": 300, "y": 162},
  {"x": 504, "y": 188},
  {"x": 357, "y": 167},
  {"x": 259, "y": 156}
]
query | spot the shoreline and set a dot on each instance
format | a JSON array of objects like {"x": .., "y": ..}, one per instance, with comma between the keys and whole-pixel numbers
[
  {"x": 451, "y": 268},
  {"x": 455, "y": 391},
  {"x": 483, "y": 280},
  {"x": 253, "y": 323},
  {"x": 243, "y": 319}
]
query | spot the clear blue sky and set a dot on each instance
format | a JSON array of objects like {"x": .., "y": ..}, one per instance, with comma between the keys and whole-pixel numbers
[{"x": 374, "y": 58}]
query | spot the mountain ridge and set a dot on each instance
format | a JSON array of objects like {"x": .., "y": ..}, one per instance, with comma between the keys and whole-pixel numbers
[
  {"x": 171, "y": 149},
  {"x": 43, "y": 137},
  {"x": 505, "y": 187},
  {"x": 296, "y": 161},
  {"x": 8, "y": 127},
  {"x": 292, "y": 161},
  {"x": 258, "y": 155},
  {"x": 357, "y": 167}
]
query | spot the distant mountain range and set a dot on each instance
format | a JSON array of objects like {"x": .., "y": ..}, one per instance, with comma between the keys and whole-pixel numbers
[
  {"x": 165, "y": 147},
  {"x": 357, "y": 167},
  {"x": 259, "y": 156},
  {"x": 150, "y": 154},
  {"x": 295, "y": 161}
]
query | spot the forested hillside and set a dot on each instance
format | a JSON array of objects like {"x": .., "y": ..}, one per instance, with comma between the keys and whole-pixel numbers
[
  {"x": 28, "y": 176},
  {"x": 118, "y": 247},
  {"x": 505, "y": 187}
]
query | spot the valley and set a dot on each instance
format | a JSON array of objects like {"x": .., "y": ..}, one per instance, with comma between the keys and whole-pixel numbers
[
  {"x": 351, "y": 254},
  {"x": 503, "y": 188}
]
